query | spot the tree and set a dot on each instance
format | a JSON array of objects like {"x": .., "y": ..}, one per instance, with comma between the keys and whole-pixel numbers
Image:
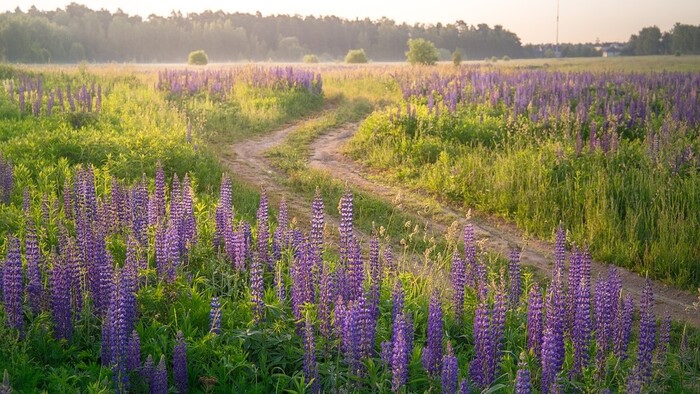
[
  {"x": 648, "y": 42},
  {"x": 199, "y": 58},
  {"x": 356, "y": 56},
  {"x": 421, "y": 51}
]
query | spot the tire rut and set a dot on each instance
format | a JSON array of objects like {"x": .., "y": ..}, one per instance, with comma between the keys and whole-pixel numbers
[{"x": 492, "y": 234}]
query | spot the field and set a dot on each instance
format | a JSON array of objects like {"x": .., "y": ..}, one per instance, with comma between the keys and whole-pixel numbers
[{"x": 279, "y": 228}]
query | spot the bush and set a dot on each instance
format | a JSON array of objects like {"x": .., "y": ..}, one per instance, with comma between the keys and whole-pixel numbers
[
  {"x": 310, "y": 59},
  {"x": 198, "y": 58},
  {"x": 421, "y": 51},
  {"x": 506, "y": 58},
  {"x": 457, "y": 58},
  {"x": 356, "y": 56}
]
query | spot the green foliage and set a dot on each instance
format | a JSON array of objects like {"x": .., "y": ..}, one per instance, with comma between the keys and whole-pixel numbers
[
  {"x": 198, "y": 58},
  {"x": 356, "y": 56},
  {"x": 310, "y": 59},
  {"x": 421, "y": 51}
]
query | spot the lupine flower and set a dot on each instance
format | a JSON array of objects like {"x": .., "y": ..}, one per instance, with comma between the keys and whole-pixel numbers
[
  {"x": 13, "y": 286},
  {"x": 280, "y": 239},
  {"x": 310, "y": 367},
  {"x": 159, "y": 383},
  {"x": 60, "y": 298},
  {"x": 647, "y": 332},
  {"x": 498, "y": 327},
  {"x": 355, "y": 269},
  {"x": 470, "y": 255},
  {"x": 634, "y": 382},
  {"x": 35, "y": 288},
  {"x": 215, "y": 316},
  {"x": 352, "y": 337},
  {"x": 581, "y": 335},
  {"x": 5, "y": 387},
  {"x": 180, "y": 363},
  {"x": 317, "y": 220},
  {"x": 450, "y": 370},
  {"x": 459, "y": 281},
  {"x": 326, "y": 296},
  {"x": 375, "y": 276},
  {"x": 256, "y": 288},
  {"x": 148, "y": 370},
  {"x": 535, "y": 321},
  {"x": 560, "y": 251},
  {"x": 463, "y": 387},
  {"x": 346, "y": 226},
  {"x": 514, "y": 277},
  {"x": 664, "y": 338},
  {"x": 263, "y": 239},
  {"x": 553, "y": 336},
  {"x": 159, "y": 195},
  {"x": 482, "y": 342},
  {"x": 400, "y": 354},
  {"x": 133, "y": 361},
  {"x": 432, "y": 352},
  {"x": 522, "y": 378},
  {"x": 623, "y": 326}
]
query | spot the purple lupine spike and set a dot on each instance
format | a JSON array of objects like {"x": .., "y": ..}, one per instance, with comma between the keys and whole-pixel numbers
[
  {"x": 514, "y": 277},
  {"x": 223, "y": 211},
  {"x": 498, "y": 327},
  {"x": 263, "y": 239},
  {"x": 326, "y": 296},
  {"x": 634, "y": 382},
  {"x": 623, "y": 326},
  {"x": 356, "y": 269},
  {"x": 581, "y": 332},
  {"x": 482, "y": 341},
  {"x": 352, "y": 337},
  {"x": 180, "y": 363},
  {"x": 310, "y": 366},
  {"x": 239, "y": 248},
  {"x": 647, "y": 332},
  {"x": 432, "y": 353},
  {"x": 450, "y": 370},
  {"x": 147, "y": 371},
  {"x": 159, "y": 195},
  {"x": 553, "y": 336},
  {"x": 280, "y": 239},
  {"x": 400, "y": 353},
  {"x": 13, "y": 286},
  {"x": 71, "y": 258},
  {"x": 368, "y": 326},
  {"x": 60, "y": 298},
  {"x": 317, "y": 221},
  {"x": 133, "y": 358},
  {"x": 339, "y": 312},
  {"x": 470, "y": 255},
  {"x": 189, "y": 231},
  {"x": 256, "y": 288},
  {"x": 481, "y": 279},
  {"x": 5, "y": 387},
  {"x": 389, "y": 263},
  {"x": 375, "y": 276},
  {"x": 522, "y": 378},
  {"x": 35, "y": 287},
  {"x": 463, "y": 387},
  {"x": 162, "y": 253},
  {"x": 346, "y": 225},
  {"x": 560, "y": 251},
  {"x": 215, "y": 316},
  {"x": 664, "y": 338},
  {"x": 459, "y": 281},
  {"x": 159, "y": 383},
  {"x": 119, "y": 328}
]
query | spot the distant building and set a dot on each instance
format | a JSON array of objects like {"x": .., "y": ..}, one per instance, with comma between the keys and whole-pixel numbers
[{"x": 611, "y": 50}]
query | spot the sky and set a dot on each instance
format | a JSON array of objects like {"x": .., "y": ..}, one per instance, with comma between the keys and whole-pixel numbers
[{"x": 534, "y": 21}]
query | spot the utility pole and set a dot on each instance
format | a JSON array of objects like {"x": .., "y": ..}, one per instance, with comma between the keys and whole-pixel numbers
[{"x": 556, "y": 51}]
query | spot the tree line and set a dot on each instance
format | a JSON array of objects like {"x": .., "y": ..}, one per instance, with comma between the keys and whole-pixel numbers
[
  {"x": 78, "y": 33},
  {"x": 680, "y": 40}
]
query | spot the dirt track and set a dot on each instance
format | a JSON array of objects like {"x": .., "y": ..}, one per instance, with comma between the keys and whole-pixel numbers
[{"x": 247, "y": 161}]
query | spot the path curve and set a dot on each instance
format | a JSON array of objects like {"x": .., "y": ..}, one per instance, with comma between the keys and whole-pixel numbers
[{"x": 496, "y": 235}]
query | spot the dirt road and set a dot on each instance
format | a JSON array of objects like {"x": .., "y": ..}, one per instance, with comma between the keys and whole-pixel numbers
[
  {"x": 247, "y": 161},
  {"x": 494, "y": 234}
]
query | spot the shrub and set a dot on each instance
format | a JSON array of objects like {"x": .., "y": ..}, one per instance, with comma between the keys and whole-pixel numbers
[
  {"x": 505, "y": 58},
  {"x": 421, "y": 51},
  {"x": 457, "y": 58},
  {"x": 198, "y": 58},
  {"x": 356, "y": 56},
  {"x": 310, "y": 59}
]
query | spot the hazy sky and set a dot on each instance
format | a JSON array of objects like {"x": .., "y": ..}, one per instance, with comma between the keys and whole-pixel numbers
[{"x": 534, "y": 21}]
